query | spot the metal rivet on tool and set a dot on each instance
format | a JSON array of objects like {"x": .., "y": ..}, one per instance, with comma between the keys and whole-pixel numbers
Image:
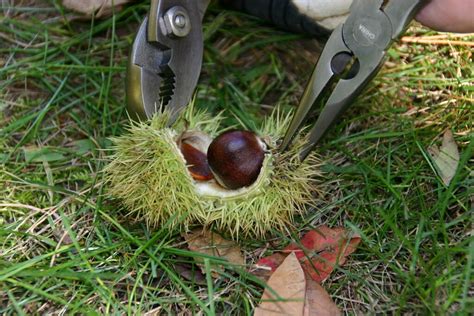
[
  {"x": 180, "y": 20},
  {"x": 176, "y": 22}
]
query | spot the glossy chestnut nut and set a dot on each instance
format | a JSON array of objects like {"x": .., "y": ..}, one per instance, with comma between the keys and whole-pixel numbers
[
  {"x": 193, "y": 146},
  {"x": 236, "y": 158}
]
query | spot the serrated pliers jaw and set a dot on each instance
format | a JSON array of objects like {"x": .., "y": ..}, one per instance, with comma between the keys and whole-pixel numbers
[{"x": 166, "y": 57}]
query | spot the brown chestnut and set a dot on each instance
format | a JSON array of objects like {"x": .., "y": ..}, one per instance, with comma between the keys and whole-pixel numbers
[
  {"x": 193, "y": 145},
  {"x": 198, "y": 166},
  {"x": 236, "y": 158}
]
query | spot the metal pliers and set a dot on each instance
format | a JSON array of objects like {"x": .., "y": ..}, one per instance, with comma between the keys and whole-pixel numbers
[
  {"x": 166, "y": 60},
  {"x": 166, "y": 57}
]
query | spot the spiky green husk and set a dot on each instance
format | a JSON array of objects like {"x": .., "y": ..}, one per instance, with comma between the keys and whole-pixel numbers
[{"x": 148, "y": 173}]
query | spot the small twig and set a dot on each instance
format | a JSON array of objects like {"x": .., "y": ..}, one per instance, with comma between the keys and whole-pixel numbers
[
  {"x": 447, "y": 36},
  {"x": 424, "y": 40}
]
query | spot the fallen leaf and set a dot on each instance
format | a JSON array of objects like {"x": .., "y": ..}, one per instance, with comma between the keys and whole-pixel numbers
[
  {"x": 42, "y": 154},
  {"x": 187, "y": 272},
  {"x": 267, "y": 265},
  {"x": 212, "y": 244},
  {"x": 83, "y": 146},
  {"x": 446, "y": 158},
  {"x": 319, "y": 251},
  {"x": 96, "y": 8},
  {"x": 331, "y": 248},
  {"x": 318, "y": 302},
  {"x": 287, "y": 294},
  {"x": 317, "y": 240}
]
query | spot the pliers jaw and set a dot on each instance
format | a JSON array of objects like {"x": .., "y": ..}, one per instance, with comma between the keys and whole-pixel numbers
[
  {"x": 166, "y": 58},
  {"x": 363, "y": 40}
]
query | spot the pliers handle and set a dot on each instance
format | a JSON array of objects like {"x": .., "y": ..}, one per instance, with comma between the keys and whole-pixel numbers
[{"x": 356, "y": 49}]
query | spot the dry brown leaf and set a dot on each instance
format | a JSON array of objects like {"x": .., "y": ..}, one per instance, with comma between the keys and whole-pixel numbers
[
  {"x": 317, "y": 301},
  {"x": 97, "y": 8},
  {"x": 288, "y": 284},
  {"x": 209, "y": 243},
  {"x": 187, "y": 272},
  {"x": 446, "y": 158}
]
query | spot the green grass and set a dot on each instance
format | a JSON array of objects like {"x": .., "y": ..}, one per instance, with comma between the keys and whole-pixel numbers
[{"x": 65, "y": 247}]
